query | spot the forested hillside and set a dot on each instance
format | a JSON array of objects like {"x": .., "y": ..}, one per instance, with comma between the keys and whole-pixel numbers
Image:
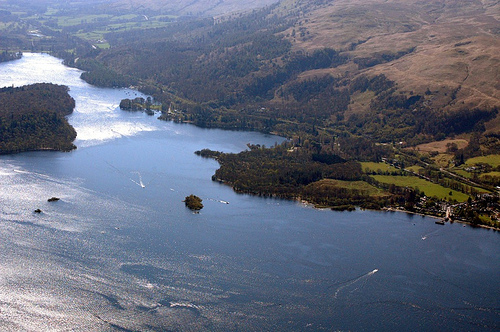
[
  {"x": 290, "y": 68},
  {"x": 33, "y": 118}
]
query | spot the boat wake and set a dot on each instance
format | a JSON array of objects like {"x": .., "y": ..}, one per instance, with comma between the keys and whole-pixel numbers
[
  {"x": 140, "y": 183},
  {"x": 353, "y": 281},
  {"x": 217, "y": 200},
  {"x": 433, "y": 233}
]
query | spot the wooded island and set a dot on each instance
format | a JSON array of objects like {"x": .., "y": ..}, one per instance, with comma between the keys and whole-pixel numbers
[{"x": 32, "y": 118}]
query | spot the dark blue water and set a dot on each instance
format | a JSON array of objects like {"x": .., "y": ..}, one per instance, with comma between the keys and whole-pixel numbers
[{"x": 120, "y": 251}]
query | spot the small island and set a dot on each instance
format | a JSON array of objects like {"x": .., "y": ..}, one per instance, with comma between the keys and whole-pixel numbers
[
  {"x": 140, "y": 104},
  {"x": 193, "y": 202}
]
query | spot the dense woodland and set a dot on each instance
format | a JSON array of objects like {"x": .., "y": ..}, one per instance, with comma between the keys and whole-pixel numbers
[{"x": 33, "y": 118}]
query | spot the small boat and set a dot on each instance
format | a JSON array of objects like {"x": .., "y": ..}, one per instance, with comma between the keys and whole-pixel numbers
[{"x": 439, "y": 222}]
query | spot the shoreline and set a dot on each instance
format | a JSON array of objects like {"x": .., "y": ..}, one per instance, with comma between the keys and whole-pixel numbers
[
  {"x": 440, "y": 218},
  {"x": 392, "y": 209},
  {"x": 383, "y": 209}
]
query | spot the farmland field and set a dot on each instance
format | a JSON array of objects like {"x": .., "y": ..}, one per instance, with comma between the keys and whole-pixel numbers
[{"x": 430, "y": 189}]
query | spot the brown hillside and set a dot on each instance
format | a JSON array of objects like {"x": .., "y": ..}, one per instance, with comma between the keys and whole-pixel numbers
[{"x": 456, "y": 46}]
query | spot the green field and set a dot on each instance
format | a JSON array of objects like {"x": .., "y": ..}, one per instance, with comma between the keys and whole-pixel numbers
[
  {"x": 430, "y": 189},
  {"x": 463, "y": 173},
  {"x": 377, "y": 167},
  {"x": 493, "y": 160},
  {"x": 415, "y": 168},
  {"x": 96, "y": 26},
  {"x": 357, "y": 185},
  {"x": 128, "y": 17},
  {"x": 496, "y": 174},
  {"x": 493, "y": 178},
  {"x": 66, "y": 21}
]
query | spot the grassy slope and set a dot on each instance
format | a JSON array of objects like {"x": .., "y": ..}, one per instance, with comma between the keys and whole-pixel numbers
[
  {"x": 377, "y": 167},
  {"x": 492, "y": 160},
  {"x": 441, "y": 146},
  {"x": 356, "y": 185}
]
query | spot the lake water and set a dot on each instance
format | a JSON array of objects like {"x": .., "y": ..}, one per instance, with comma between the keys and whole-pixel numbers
[{"x": 120, "y": 252}]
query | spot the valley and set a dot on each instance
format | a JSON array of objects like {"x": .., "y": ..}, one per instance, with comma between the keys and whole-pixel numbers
[
  {"x": 363, "y": 81},
  {"x": 375, "y": 207}
]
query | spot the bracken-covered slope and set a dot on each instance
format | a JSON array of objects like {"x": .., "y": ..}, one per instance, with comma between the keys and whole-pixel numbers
[{"x": 453, "y": 46}]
